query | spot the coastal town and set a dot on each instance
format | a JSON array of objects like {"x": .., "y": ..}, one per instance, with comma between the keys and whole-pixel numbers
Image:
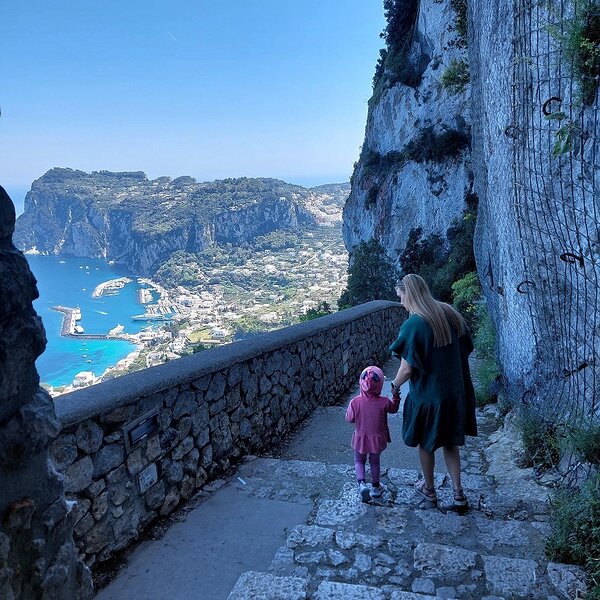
[{"x": 230, "y": 300}]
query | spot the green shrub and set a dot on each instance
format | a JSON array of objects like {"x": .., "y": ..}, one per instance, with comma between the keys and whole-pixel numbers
[
  {"x": 460, "y": 8},
  {"x": 442, "y": 262},
  {"x": 456, "y": 77},
  {"x": 585, "y": 441},
  {"x": 488, "y": 370},
  {"x": 371, "y": 276},
  {"x": 541, "y": 440},
  {"x": 371, "y": 199},
  {"x": 466, "y": 293},
  {"x": 575, "y": 538},
  {"x": 580, "y": 41},
  {"x": 468, "y": 299},
  {"x": 436, "y": 147},
  {"x": 322, "y": 309}
]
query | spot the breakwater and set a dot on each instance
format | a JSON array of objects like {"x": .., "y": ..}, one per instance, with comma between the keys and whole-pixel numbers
[{"x": 69, "y": 324}]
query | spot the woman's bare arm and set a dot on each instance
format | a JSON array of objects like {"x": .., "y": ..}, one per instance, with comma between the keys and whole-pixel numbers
[{"x": 404, "y": 373}]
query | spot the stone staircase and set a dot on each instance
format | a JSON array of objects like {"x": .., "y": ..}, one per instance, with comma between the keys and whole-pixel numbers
[{"x": 397, "y": 548}]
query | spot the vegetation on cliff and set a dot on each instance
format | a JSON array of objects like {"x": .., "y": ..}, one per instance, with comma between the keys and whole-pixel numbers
[{"x": 371, "y": 276}]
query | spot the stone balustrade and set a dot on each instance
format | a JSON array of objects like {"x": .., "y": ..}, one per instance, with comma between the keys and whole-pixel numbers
[{"x": 133, "y": 448}]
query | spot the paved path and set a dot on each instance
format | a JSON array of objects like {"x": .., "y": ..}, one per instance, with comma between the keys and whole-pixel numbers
[{"x": 290, "y": 526}]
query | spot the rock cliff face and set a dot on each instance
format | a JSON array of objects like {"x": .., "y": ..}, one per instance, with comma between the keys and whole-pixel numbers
[
  {"x": 530, "y": 112},
  {"x": 130, "y": 219},
  {"x": 37, "y": 554},
  {"x": 537, "y": 233},
  {"x": 415, "y": 166}
]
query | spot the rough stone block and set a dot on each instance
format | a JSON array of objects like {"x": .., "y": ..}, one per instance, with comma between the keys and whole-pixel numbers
[
  {"x": 165, "y": 418},
  {"x": 100, "y": 505},
  {"x": 84, "y": 525},
  {"x": 78, "y": 476},
  {"x": 95, "y": 488},
  {"x": 216, "y": 389},
  {"x": 569, "y": 580},
  {"x": 190, "y": 461},
  {"x": 201, "y": 384},
  {"x": 169, "y": 439},
  {"x": 171, "y": 501},
  {"x": 173, "y": 472},
  {"x": 183, "y": 448},
  {"x": 264, "y": 586},
  {"x": 185, "y": 404},
  {"x": 437, "y": 560},
  {"x": 135, "y": 462},
  {"x": 400, "y": 595},
  {"x": 309, "y": 535},
  {"x": 64, "y": 451},
  {"x": 218, "y": 406},
  {"x": 184, "y": 427},
  {"x": 422, "y": 585},
  {"x": 509, "y": 576},
  {"x": 331, "y": 590},
  {"x": 200, "y": 419},
  {"x": 203, "y": 438},
  {"x": 107, "y": 458},
  {"x": 153, "y": 448},
  {"x": 89, "y": 437},
  {"x": 188, "y": 487},
  {"x": 119, "y": 475},
  {"x": 155, "y": 495},
  {"x": 119, "y": 415}
]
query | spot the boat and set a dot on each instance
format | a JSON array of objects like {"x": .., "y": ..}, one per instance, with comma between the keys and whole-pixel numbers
[
  {"x": 78, "y": 329},
  {"x": 152, "y": 317}
]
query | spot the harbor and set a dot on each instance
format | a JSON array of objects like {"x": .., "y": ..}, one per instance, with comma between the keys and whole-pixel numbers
[
  {"x": 70, "y": 328},
  {"x": 110, "y": 287}
]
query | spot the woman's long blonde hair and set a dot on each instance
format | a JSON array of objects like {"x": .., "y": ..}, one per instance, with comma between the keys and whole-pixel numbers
[{"x": 440, "y": 316}]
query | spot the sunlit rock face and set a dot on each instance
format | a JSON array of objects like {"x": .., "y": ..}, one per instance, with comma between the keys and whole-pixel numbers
[
  {"x": 37, "y": 555},
  {"x": 140, "y": 222},
  {"x": 537, "y": 235},
  {"x": 421, "y": 131}
]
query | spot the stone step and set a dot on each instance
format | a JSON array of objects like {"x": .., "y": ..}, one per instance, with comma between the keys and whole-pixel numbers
[{"x": 254, "y": 585}]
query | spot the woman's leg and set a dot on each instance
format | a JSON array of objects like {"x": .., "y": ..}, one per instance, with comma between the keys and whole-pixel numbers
[
  {"x": 452, "y": 459},
  {"x": 359, "y": 465},
  {"x": 427, "y": 464},
  {"x": 375, "y": 463}
]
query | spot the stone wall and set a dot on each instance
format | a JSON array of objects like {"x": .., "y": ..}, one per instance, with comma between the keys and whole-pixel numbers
[
  {"x": 37, "y": 554},
  {"x": 203, "y": 412}
]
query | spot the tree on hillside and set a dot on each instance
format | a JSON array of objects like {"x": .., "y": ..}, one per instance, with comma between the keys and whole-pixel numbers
[{"x": 371, "y": 276}]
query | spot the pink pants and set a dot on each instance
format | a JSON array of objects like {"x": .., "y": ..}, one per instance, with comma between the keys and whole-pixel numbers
[{"x": 374, "y": 461}]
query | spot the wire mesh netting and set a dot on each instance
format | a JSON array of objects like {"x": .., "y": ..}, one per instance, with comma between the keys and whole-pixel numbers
[{"x": 554, "y": 131}]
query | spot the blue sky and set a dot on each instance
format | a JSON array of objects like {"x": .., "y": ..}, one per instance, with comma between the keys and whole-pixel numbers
[{"x": 215, "y": 89}]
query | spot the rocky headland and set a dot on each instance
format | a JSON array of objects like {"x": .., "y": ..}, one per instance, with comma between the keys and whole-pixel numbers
[{"x": 139, "y": 222}]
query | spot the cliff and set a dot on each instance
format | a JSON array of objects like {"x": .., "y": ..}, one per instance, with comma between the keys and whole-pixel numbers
[
  {"x": 140, "y": 222},
  {"x": 507, "y": 114},
  {"x": 415, "y": 166},
  {"x": 535, "y": 152}
]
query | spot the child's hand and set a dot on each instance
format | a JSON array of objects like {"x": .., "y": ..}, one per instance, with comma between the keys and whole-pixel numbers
[{"x": 395, "y": 391}]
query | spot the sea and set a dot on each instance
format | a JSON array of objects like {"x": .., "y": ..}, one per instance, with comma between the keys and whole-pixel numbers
[{"x": 70, "y": 282}]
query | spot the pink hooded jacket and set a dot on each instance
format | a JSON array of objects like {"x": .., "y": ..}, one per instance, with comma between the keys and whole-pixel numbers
[{"x": 369, "y": 411}]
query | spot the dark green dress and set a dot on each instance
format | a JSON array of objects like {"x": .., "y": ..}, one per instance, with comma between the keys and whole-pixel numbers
[{"x": 440, "y": 408}]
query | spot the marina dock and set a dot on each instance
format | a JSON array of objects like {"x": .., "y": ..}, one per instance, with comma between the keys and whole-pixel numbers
[
  {"x": 112, "y": 286},
  {"x": 68, "y": 329}
]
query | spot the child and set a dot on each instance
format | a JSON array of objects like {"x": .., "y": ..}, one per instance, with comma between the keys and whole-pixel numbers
[{"x": 371, "y": 434}]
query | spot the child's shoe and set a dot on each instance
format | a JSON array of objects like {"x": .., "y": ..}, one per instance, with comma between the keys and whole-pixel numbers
[
  {"x": 363, "y": 491},
  {"x": 376, "y": 492}
]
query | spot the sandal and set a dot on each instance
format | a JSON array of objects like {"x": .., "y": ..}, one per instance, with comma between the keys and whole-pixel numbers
[
  {"x": 459, "y": 498},
  {"x": 425, "y": 492}
]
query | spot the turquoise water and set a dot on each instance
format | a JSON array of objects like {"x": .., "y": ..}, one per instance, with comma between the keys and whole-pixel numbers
[{"x": 70, "y": 282}]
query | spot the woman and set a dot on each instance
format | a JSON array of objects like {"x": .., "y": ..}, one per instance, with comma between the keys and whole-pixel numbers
[{"x": 434, "y": 345}]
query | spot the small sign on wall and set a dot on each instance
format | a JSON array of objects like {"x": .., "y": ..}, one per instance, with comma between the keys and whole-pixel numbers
[{"x": 147, "y": 477}]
